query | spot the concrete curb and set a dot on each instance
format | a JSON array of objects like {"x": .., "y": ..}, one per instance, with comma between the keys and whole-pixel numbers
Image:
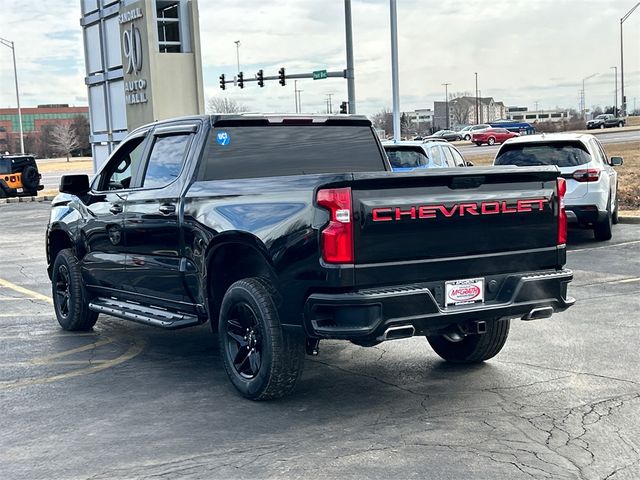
[
  {"x": 628, "y": 219},
  {"x": 44, "y": 198}
]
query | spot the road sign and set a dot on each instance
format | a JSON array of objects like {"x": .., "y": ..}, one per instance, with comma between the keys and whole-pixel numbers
[{"x": 319, "y": 74}]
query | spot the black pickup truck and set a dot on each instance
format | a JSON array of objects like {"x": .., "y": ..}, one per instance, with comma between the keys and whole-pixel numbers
[{"x": 282, "y": 231}]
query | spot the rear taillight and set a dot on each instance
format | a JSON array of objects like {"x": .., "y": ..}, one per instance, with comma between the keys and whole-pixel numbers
[
  {"x": 337, "y": 237},
  {"x": 562, "y": 214},
  {"x": 590, "y": 175}
]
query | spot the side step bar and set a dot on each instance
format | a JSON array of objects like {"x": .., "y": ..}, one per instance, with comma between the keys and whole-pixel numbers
[{"x": 143, "y": 314}]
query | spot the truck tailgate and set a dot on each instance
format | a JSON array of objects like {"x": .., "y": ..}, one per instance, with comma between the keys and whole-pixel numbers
[{"x": 454, "y": 223}]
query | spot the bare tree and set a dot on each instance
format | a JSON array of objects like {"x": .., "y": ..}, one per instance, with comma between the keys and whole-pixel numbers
[
  {"x": 64, "y": 139},
  {"x": 225, "y": 105},
  {"x": 460, "y": 111},
  {"x": 383, "y": 120}
]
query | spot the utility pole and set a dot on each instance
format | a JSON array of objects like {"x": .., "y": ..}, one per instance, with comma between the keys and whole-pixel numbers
[
  {"x": 615, "y": 92},
  {"x": 351, "y": 81},
  {"x": 480, "y": 104},
  {"x": 584, "y": 96},
  {"x": 395, "y": 81},
  {"x": 536, "y": 104},
  {"x": 623, "y": 105},
  {"x": 446, "y": 103},
  {"x": 237, "y": 42},
  {"x": 295, "y": 94},
  {"x": 329, "y": 103},
  {"x": 477, "y": 112},
  {"x": 11, "y": 45}
]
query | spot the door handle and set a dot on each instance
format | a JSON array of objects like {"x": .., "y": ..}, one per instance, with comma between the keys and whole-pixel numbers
[
  {"x": 115, "y": 209},
  {"x": 167, "y": 208}
]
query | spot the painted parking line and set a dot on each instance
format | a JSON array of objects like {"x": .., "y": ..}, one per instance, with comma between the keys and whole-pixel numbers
[
  {"x": 25, "y": 291},
  {"x": 622, "y": 244},
  {"x": 133, "y": 350}
]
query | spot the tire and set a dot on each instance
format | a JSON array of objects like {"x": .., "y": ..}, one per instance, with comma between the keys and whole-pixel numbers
[
  {"x": 602, "y": 127},
  {"x": 602, "y": 231},
  {"x": 620, "y": 124},
  {"x": 615, "y": 217},
  {"x": 467, "y": 137},
  {"x": 479, "y": 144},
  {"x": 30, "y": 178},
  {"x": 491, "y": 141},
  {"x": 70, "y": 300},
  {"x": 249, "y": 321},
  {"x": 472, "y": 348}
]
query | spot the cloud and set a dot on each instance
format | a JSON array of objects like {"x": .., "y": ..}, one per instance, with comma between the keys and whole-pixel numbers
[{"x": 523, "y": 51}]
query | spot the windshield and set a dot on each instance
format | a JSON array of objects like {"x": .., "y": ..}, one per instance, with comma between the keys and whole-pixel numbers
[
  {"x": 406, "y": 157},
  {"x": 561, "y": 154}
]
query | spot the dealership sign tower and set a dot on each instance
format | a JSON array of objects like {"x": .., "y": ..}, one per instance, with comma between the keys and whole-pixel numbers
[{"x": 143, "y": 64}]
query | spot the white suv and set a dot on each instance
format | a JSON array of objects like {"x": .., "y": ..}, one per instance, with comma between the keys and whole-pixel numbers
[{"x": 592, "y": 183}]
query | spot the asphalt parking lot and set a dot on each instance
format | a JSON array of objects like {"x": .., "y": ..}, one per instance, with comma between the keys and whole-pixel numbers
[{"x": 562, "y": 400}]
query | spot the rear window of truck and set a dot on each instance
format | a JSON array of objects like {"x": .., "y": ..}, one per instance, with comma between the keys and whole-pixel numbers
[
  {"x": 281, "y": 150},
  {"x": 561, "y": 154}
]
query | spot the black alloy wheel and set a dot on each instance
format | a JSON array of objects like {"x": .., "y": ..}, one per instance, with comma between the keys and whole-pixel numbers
[
  {"x": 70, "y": 298},
  {"x": 244, "y": 340},
  {"x": 62, "y": 290},
  {"x": 262, "y": 359}
]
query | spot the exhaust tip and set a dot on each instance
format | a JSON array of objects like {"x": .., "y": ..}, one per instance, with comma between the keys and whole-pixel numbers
[
  {"x": 538, "y": 313},
  {"x": 394, "y": 333}
]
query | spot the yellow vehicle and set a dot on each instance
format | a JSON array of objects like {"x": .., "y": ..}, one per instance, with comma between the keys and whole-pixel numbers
[{"x": 19, "y": 176}]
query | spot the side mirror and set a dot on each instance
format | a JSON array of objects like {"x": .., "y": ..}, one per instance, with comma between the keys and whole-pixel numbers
[
  {"x": 74, "y": 184},
  {"x": 469, "y": 164},
  {"x": 615, "y": 161}
]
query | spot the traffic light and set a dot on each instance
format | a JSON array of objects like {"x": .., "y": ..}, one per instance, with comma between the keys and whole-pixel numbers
[
  {"x": 222, "y": 82},
  {"x": 282, "y": 77},
  {"x": 343, "y": 108},
  {"x": 241, "y": 79},
  {"x": 260, "y": 77}
]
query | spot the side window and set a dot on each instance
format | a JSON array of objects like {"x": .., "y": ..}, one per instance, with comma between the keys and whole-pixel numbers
[
  {"x": 436, "y": 156},
  {"x": 457, "y": 158},
  {"x": 117, "y": 174},
  {"x": 166, "y": 159},
  {"x": 450, "y": 162},
  {"x": 600, "y": 152}
]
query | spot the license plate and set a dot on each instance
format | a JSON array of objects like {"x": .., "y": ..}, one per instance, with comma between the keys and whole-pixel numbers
[
  {"x": 464, "y": 292},
  {"x": 19, "y": 190}
]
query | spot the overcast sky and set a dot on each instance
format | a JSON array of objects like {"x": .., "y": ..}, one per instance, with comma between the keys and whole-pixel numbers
[{"x": 524, "y": 51}]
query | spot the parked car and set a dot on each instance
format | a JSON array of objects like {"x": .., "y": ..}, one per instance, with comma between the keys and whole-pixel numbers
[
  {"x": 282, "y": 231},
  {"x": 448, "y": 135},
  {"x": 467, "y": 132},
  {"x": 19, "y": 176},
  {"x": 492, "y": 136},
  {"x": 410, "y": 155},
  {"x": 592, "y": 182},
  {"x": 606, "y": 120}
]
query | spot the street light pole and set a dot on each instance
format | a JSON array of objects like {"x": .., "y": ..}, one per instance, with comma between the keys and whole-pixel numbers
[
  {"x": 446, "y": 103},
  {"x": 237, "y": 42},
  {"x": 394, "y": 70},
  {"x": 12, "y": 46},
  {"x": 477, "y": 112},
  {"x": 351, "y": 81},
  {"x": 623, "y": 105},
  {"x": 615, "y": 92}
]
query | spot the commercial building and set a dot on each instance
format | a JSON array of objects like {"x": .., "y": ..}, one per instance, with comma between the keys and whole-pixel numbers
[
  {"x": 34, "y": 124},
  {"x": 462, "y": 111},
  {"x": 143, "y": 64}
]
